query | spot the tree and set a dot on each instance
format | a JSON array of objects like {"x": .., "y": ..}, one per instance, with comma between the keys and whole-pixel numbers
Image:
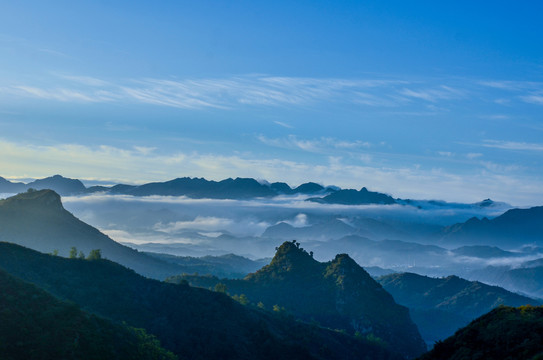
[
  {"x": 81, "y": 255},
  {"x": 242, "y": 299},
  {"x": 55, "y": 252},
  {"x": 95, "y": 254},
  {"x": 73, "y": 252},
  {"x": 220, "y": 287}
]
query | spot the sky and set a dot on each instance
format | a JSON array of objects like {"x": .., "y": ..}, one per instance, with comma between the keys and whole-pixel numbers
[{"x": 418, "y": 99}]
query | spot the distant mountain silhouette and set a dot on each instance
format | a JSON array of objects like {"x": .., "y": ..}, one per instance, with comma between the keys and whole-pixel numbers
[
  {"x": 309, "y": 188},
  {"x": 59, "y": 184},
  {"x": 526, "y": 278},
  {"x": 334, "y": 228},
  {"x": 281, "y": 188},
  {"x": 239, "y": 188},
  {"x": 227, "y": 266},
  {"x": 514, "y": 228},
  {"x": 338, "y": 294},
  {"x": 11, "y": 187},
  {"x": 35, "y": 324},
  {"x": 37, "y": 220},
  {"x": 191, "y": 322},
  {"x": 388, "y": 252},
  {"x": 483, "y": 252},
  {"x": 331, "y": 229},
  {"x": 440, "y": 306},
  {"x": 353, "y": 197},
  {"x": 504, "y": 333}
]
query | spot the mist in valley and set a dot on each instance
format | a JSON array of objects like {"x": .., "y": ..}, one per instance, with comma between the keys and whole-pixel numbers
[{"x": 386, "y": 238}]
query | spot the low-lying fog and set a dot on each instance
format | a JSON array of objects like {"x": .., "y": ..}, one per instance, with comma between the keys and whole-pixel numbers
[{"x": 391, "y": 236}]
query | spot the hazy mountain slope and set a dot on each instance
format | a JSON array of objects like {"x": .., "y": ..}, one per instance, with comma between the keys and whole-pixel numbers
[
  {"x": 526, "y": 278},
  {"x": 384, "y": 252},
  {"x": 337, "y": 294},
  {"x": 331, "y": 229},
  {"x": 238, "y": 188},
  {"x": 439, "y": 306},
  {"x": 353, "y": 197},
  {"x": 59, "y": 184},
  {"x": 514, "y": 228},
  {"x": 11, "y": 187},
  {"x": 36, "y": 325},
  {"x": 193, "y": 323},
  {"x": 225, "y": 266},
  {"x": 483, "y": 252},
  {"x": 38, "y": 220},
  {"x": 504, "y": 333}
]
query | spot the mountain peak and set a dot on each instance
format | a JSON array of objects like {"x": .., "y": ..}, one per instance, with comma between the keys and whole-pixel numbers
[
  {"x": 59, "y": 183},
  {"x": 290, "y": 261},
  {"x": 37, "y": 199},
  {"x": 292, "y": 252}
]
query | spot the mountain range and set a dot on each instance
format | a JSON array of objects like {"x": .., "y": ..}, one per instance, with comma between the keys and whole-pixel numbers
[
  {"x": 526, "y": 278},
  {"x": 239, "y": 188},
  {"x": 338, "y": 294},
  {"x": 197, "y": 188},
  {"x": 513, "y": 228},
  {"x": 440, "y": 306},
  {"x": 38, "y": 219}
]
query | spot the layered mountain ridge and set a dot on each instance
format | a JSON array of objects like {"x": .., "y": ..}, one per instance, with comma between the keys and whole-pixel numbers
[
  {"x": 440, "y": 306},
  {"x": 193, "y": 323},
  {"x": 338, "y": 294},
  {"x": 38, "y": 220}
]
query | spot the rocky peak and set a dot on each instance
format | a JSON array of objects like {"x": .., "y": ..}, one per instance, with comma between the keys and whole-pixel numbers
[{"x": 35, "y": 199}]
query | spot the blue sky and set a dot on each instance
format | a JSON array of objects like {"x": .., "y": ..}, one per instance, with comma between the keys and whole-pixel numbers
[{"x": 418, "y": 99}]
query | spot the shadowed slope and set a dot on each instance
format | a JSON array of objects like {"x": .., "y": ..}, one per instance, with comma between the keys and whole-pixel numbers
[{"x": 193, "y": 323}]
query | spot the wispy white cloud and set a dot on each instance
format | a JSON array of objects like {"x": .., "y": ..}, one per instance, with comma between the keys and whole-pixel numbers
[
  {"x": 513, "y": 145},
  {"x": 442, "y": 92},
  {"x": 86, "y": 80},
  {"x": 533, "y": 99},
  {"x": 527, "y": 91},
  {"x": 320, "y": 145},
  {"x": 285, "y": 125},
  {"x": 474, "y": 155},
  {"x": 249, "y": 90},
  {"x": 499, "y": 168},
  {"x": 512, "y": 85},
  {"x": 207, "y": 223},
  {"x": 262, "y": 90}
]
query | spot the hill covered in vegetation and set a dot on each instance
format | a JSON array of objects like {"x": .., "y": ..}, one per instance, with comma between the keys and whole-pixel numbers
[
  {"x": 193, "y": 323},
  {"x": 338, "y": 294},
  {"x": 36, "y": 325},
  {"x": 37, "y": 219},
  {"x": 506, "y": 333},
  {"x": 440, "y": 306}
]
